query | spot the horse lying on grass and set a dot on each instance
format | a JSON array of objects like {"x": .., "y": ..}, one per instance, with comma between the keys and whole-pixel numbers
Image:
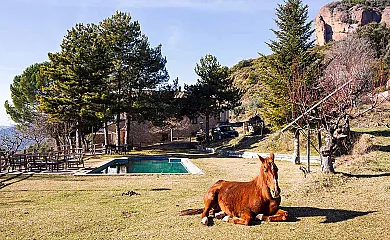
[{"x": 243, "y": 202}]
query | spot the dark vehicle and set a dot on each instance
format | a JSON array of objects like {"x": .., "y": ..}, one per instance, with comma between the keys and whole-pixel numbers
[
  {"x": 224, "y": 131},
  {"x": 200, "y": 135}
]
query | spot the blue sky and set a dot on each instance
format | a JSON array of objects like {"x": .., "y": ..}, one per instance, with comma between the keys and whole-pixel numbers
[{"x": 231, "y": 30}]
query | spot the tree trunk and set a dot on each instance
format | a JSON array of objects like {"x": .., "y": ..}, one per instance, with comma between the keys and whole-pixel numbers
[
  {"x": 337, "y": 139},
  {"x": 327, "y": 163},
  {"x": 128, "y": 129},
  {"x": 77, "y": 139},
  {"x": 105, "y": 133},
  {"x": 78, "y": 136},
  {"x": 326, "y": 154},
  {"x": 68, "y": 147},
  {"x": 319, "y": 138},
  {"x": 207, "y": 127},
  {"x": 308, "y": 148},
  {"x": 296, "y": 159},
  {"x": 118, "y": 129},
  {"x": 69, "y": 141},
  {"x": 118, "y": 115},
  {"x": 58, "y": 142}
]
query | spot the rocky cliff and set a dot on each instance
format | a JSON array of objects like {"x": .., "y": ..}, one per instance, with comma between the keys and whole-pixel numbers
[{"x": 335, "y": 20}]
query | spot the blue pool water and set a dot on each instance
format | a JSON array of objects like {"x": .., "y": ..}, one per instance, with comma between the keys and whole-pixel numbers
[{"x": 151, "y": 165}]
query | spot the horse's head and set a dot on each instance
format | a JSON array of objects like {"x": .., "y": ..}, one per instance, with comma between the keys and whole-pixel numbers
[{"x": 269, "y": 173}]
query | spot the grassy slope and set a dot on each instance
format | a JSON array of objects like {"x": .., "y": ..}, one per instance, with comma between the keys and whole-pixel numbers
[
  {"x": 371, "y": 123},
  {"x": 68, "y": 207}
]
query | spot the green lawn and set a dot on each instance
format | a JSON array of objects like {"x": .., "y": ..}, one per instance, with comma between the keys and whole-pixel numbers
[{"x": 354, "y": 205}]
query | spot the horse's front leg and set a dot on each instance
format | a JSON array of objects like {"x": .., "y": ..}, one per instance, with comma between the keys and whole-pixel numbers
[
  {"x": 210, "y": 205},
  {"x": 280, "y": 215},
  {"x": 245, "y": 219},
  {"x": 220, "y": 215}
]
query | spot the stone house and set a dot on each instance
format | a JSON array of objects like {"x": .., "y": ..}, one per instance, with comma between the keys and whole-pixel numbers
[{"x": 145, "y": 133}]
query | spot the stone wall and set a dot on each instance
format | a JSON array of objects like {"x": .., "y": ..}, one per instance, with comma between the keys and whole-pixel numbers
[{"x": 146, "y": 133}]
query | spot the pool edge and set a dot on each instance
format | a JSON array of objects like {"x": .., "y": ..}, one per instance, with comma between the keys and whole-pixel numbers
[{"x": 188, "y": 165}]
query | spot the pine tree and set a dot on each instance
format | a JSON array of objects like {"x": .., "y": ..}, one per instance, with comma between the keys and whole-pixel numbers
[
  {"x": 25, "y": 91},
  {"x": 213, "y": 93},
  {"x": 77, "y": 75},
  {"x": 290, "y": 70},
  {"x": 136, "y": 69},
  {"x": 121, "y": 36}
]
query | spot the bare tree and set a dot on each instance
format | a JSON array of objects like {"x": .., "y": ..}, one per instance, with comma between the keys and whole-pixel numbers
[
  {"x": 38, "y": 132},
  {"x": 303, "y": 93},
  {"x": 12, "y": 140},
  {"x": 347, "y": 79}
]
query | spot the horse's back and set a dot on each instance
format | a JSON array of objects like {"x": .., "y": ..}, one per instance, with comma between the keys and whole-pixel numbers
[
  {"x": 226, "y": 186},
  {"x": 239, "y": 193}
]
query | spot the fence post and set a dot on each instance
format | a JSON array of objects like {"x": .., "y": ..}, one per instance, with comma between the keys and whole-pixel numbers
[
  {"x": 296, "y": 158},
  {"x": 308, "y": 148}
]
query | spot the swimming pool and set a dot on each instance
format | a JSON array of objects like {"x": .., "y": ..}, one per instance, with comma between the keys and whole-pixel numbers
[{"x": 148, "y": 165}]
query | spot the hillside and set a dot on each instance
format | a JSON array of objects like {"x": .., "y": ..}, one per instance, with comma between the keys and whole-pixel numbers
[
  {"x": 369, "y": 154},
  {"x": 246, "y": 75},
  {"x": 334, "y": 21}
]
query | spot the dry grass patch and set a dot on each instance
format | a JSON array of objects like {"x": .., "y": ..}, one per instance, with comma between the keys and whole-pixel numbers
[
  {"x": 277, "y": 142},
  {"x": 370, "y": 154}
]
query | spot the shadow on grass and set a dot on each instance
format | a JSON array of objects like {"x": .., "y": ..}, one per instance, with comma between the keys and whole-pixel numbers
[
  {"x": 13, "y": 179},
  {"x": 295, "y": 213},
  {"x": 380, "y": 133},
  {"x": 365, "y": 175},
  {"x": 331, "y": 215},
  {"x": 383, "y": 148},
  {"x": 161, "y": 189},
  {"x": 247, "y": 142}
]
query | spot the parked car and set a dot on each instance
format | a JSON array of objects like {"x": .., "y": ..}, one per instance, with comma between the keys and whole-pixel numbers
[
  {"x": 224, "y": 131},
  {"x": 200, "y": 135}
]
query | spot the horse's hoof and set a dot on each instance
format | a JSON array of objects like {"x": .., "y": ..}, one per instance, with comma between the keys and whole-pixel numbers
[
  {"x": 220, "y": 215},
  {"x": 225, "y": 219},
  {"x": 205, "y": 221},
  {"x": 260, "y": 216}
]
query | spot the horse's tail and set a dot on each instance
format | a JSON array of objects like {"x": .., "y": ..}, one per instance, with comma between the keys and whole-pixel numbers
[{"x": 191, "y": 211}]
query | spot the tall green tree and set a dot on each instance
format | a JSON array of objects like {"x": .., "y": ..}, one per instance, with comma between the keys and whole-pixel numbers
[
  {"x": 213, "y": 92},
  {"x": 122, "y": 36},
  {"x": 136, "y": 69},
  {"x": 148, "y": 93},
  {"x": 77, "y": 74},
  {"x": 292, "y": 67},
  {"x": 25, "y": 91}
]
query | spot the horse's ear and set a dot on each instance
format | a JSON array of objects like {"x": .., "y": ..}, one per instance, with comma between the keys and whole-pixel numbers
[
  {"x": 272, "y": 156},
  {"x": 261, "y": 158}
]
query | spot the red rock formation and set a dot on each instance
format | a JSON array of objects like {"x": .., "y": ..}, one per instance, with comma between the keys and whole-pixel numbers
[{"x": 335, "y": 20}]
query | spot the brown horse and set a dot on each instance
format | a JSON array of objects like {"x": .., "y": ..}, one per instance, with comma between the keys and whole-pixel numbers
[{"x": 243, "y": 202}]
